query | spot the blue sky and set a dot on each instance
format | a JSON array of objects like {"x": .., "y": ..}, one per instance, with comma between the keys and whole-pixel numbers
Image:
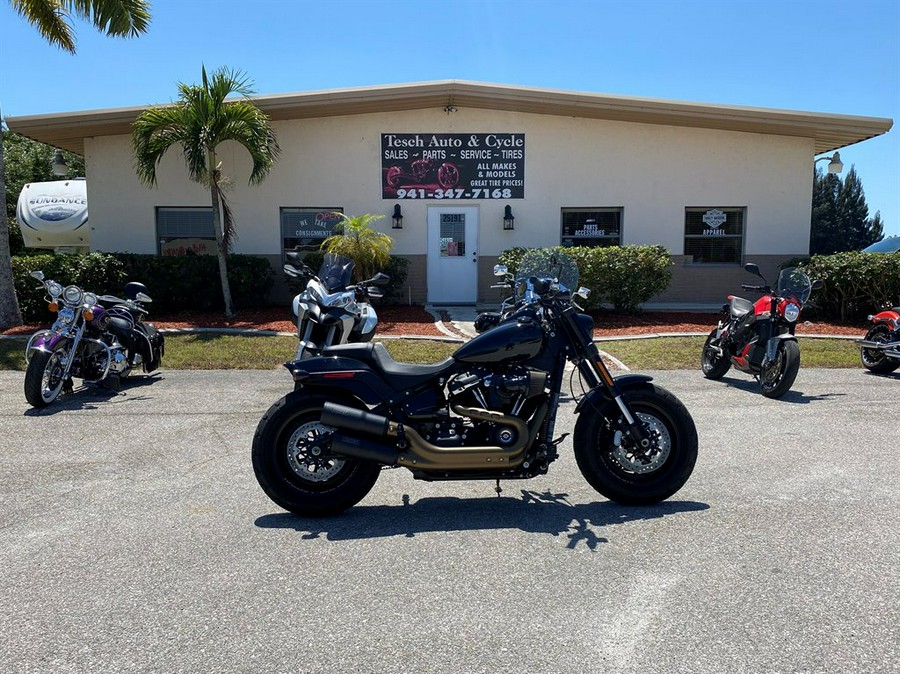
[{"x": 812, "y": 55}]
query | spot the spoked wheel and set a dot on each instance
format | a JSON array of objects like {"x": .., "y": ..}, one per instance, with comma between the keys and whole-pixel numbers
[
  {"x": 776, "y": 377},
  {"x": 874, "y": 360},
  {"x": 714, "y": 361},
  {"x": 616, "y": 467},
  {"x": 293, "y": 462},
  {"x": 448, "y": 175},
  {"x": 44, "y": 377}
]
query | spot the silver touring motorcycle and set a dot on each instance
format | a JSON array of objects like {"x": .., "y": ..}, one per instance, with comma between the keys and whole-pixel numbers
[{"x": 486, "y": 413}]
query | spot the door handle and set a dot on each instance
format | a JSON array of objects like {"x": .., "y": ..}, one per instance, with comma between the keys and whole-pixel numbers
[{"x": 474, "y": 259}]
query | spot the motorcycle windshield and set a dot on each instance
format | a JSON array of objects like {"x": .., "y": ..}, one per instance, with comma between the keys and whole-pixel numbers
[
  {"x": 548, "y": 263},
  {"x": 336, "y": 272},
  {"x": 794, "y": 283}
]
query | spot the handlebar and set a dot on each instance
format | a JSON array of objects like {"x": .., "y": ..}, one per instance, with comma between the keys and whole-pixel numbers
[{"x": 759, "y": 289}]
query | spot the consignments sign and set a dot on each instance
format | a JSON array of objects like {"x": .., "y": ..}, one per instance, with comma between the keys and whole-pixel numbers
[{"x": 453, "y": 166}]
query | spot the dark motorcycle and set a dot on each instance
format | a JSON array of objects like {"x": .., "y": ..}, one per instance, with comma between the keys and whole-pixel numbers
[
  {"x": 758, "y": 337},
  {"x": 880, "y": 349},
  {"x": 491, "y": 319},
  {"x": 486, "y": 413},
  {"x": 331, "y": 310},
  {"x": 96, "y": 344}
]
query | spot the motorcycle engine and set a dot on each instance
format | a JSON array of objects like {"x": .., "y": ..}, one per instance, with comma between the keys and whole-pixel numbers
[{"x": 505, "y": 391}]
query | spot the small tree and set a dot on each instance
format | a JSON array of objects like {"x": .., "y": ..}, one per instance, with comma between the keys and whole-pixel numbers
[
  {"x": 840, "y": 215},
  {"x": 199, "y": 122},
  {"x": 369, "y": 249}
]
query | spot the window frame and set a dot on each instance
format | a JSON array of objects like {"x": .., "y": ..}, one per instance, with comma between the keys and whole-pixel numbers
[
  {"x": 159, "y": 236},
  {"x": 575, "y": 240},
  {"x": 741, "y": 237}
]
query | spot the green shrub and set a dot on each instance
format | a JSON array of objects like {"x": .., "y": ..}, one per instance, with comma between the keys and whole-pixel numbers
[
  {"x": 856, "y": 284},
  {"x": 176, "y": 283},
  {"x": 623, "y": 276}
]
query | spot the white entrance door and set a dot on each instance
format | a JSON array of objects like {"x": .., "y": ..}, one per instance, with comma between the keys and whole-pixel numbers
[{"x": 452, "y": 255}]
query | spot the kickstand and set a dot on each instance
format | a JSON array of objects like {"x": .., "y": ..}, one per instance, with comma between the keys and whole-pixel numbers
[{"x": 498, "y": 489}]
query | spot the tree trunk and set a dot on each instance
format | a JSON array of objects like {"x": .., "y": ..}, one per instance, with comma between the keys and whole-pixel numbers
[
  {"x": 220, "y": 235},
  {"x": 10, "y": 316}
]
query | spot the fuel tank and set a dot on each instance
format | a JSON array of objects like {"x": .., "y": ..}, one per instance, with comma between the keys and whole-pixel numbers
[{"x": 513, "y": 341}]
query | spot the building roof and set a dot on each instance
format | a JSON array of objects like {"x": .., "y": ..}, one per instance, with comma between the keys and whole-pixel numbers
[{"x": 68, "y": 130}]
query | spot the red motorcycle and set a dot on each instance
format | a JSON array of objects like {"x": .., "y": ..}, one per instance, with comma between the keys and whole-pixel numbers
[
  {"x": 758, "y": 337},
  {"x": 880, "y": 349},
  {"x": 420, "y": 169}
]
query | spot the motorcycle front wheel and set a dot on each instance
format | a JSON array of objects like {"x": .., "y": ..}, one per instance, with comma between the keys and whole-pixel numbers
[
  {"x": 44, "y": 377},
  {"x": 293, "y": 463},
  {"x": 874, "y": 360},
  {"x": 612, "y": 463},
  {"x": 776, "y": 378},
  {"x": 714, "y": 365}
]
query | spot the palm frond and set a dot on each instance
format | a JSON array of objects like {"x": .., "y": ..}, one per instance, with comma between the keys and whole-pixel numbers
[
  {"x": 51, "y": 19},
  {"x": 119, "y": 18}
]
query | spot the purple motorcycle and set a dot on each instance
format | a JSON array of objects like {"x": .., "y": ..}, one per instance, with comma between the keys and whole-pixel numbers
[{"x": 96, "y": 344}]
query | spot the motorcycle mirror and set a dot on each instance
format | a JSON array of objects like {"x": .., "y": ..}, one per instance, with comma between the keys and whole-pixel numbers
[
  {"x": 293, "y": 256},
  {"x": 753, "y": 268},
  {"x": 500, "y": 270},
  {"x": 143, "y": 297},
  {"x": 381, "y": 279},
  {"x": 583, "y": 292},
  {"x": 818, "y": 284},
  {"x": 39, "y": 275}
]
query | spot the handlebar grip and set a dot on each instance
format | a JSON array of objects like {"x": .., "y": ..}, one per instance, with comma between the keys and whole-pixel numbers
[{"x": 746, "y": 287}]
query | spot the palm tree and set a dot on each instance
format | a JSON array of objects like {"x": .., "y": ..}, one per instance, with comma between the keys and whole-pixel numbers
[
  {"x": 200, "y": 121},
  {"x": 369, "y": 249},
  {"x": 117, "y": 18}
]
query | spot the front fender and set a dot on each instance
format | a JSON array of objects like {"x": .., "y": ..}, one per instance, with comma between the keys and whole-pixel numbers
[{"x": 599, "y": 397}]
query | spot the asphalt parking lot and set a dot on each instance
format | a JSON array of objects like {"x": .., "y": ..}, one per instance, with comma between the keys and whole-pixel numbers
[{"x": 134, "y": 538}]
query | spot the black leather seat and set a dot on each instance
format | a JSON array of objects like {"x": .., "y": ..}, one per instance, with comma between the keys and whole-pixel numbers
[{"x": 399, "y": 375}]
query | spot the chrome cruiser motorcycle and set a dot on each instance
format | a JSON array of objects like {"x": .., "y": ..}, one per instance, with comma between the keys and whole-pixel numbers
[
  {"x": 88, "y": 341},
  {"x": 486, "y": 413},
  {"x": 330, "y": 310}
]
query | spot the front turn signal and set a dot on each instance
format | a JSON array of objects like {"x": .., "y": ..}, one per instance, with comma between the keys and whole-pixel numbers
[
  {"x": 53, "y": 306},
  {"x": 88, "y": 315}
]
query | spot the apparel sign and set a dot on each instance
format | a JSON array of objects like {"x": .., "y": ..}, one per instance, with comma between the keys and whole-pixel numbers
[
  {"x": 453, "y": 166},
  {"x": 714, "y": 219}
]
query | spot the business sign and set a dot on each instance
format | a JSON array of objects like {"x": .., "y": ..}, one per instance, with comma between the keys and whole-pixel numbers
[
  {"x": 306, "y": 229},
  {"x": 453, "y": 166},
  {"x": 714, "y": 219}
]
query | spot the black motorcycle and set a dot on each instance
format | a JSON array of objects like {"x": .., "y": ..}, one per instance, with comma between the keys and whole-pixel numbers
[{"x": 486, "y": 413}]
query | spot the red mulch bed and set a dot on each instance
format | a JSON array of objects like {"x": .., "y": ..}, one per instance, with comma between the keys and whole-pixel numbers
[{"x": 414, "y": 320}]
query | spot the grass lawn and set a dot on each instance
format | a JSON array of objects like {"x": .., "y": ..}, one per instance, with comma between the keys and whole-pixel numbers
[{"x": 234, "y": 352}]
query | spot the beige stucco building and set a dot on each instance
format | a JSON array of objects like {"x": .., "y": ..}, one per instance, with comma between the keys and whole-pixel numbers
[{"x": 717, "y": 185}]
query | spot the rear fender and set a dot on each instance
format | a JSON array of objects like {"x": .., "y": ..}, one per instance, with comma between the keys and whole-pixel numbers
[
  {"x": 347, "y": 375},
  {"x": 889, "y": 317}
]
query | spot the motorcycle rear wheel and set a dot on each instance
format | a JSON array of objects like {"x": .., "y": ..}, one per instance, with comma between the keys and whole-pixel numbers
[
  {"x": 621, "y": 472},
  {"x": 713, "y": 365},
  {"x": 293, "y": 465},
  {"x": 777, "y": 378},
  {"x": 874, "y": 360},
  {"x": 43, "y": 377}
]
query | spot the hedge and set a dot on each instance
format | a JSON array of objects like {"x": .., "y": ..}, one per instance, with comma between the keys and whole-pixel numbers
[
  {"x": 176, "y": 283},
  {"x": 623, "y": 276},
  {"x": 856, "y": 284}
]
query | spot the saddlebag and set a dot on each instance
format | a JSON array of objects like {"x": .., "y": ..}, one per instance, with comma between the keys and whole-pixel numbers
[{"x": 151, "y": 347}]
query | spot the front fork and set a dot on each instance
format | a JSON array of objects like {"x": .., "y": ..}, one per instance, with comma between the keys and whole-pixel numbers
[{"x": 73, "y": 346}]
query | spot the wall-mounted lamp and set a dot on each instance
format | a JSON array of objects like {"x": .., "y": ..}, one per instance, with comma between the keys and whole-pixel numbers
[
  {"x": 397, "y": 218},
  {"x": 835, "y": 165},
  {"x": 509, "y": 221},
  {"x": 450, "y": 108},
  {"x": 58, "y": 164}
]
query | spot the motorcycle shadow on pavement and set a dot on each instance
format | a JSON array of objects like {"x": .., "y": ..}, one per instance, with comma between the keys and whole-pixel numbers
[
  {"x": 91, "y": 396},
  {"x": 792, "y": 396},
  {"x": 534, "y": 512}
]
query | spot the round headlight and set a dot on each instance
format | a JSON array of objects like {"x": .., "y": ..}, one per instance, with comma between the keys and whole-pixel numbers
[
  {"x": 72, "y": 295},
  {"x": 90, "y": 299},
  {"x": 791, "y": 312},
  {"x": 54, "y": 289}
]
